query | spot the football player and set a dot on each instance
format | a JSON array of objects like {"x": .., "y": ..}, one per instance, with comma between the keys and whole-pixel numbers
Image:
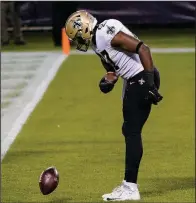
[{"x": 122, "y": 55}]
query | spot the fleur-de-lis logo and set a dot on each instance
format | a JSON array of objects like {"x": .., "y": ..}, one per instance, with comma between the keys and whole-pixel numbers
[
  {"x": 141, "y": 81},
  {"x": 77, "y": 24},
  {"x": 110, "y": 30}
]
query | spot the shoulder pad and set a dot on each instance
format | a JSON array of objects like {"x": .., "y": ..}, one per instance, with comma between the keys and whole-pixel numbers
[{"x": 106, "y": 32}]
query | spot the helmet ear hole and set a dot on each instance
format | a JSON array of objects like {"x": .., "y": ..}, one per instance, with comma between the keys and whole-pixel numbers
[{"x": 86, "y": 30}]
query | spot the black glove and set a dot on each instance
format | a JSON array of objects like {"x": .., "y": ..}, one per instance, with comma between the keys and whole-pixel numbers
[
  {"x": 152, "y": 92},
  {"x": 154, "y": 96},
  {"x": 106, "y": 86}
]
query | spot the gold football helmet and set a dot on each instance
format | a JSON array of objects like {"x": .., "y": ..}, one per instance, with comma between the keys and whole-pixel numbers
[{"x": 79, "y": 28}]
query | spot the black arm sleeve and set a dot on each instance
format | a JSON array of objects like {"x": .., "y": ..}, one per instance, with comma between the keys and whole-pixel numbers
[{"x": 107, "y": 66}]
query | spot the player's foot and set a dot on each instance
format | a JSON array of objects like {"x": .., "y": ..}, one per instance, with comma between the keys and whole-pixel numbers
[
  {"x": 126, "y": 191},
  {"x": 5, "y": 43},
  {"x": 19, "y": 41}
]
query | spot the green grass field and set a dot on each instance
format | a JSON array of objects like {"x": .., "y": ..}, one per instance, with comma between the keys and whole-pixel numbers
[{"x": 78, "y": 129}]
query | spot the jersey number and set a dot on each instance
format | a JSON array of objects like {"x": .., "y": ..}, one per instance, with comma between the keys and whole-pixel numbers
[
  {"x": 104, "y": 54},
  {"x": 102, "y": 25},
  {"x": 105, "y": 57}
]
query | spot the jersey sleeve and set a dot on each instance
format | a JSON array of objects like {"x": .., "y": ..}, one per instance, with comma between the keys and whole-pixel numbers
[{"x": 106, "y": 32}]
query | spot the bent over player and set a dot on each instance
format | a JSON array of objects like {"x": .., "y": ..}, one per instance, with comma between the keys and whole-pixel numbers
[{"x": 122, "y": 55}]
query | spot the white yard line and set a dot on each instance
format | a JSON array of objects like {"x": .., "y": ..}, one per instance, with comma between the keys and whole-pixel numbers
[
  {"x": 153, "y": 50},
  {"x": 41, "y": 89},
  {"x": 173, "y": 50}
]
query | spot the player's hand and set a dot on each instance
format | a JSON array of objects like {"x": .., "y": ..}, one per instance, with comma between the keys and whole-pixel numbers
[
  {"x": 106, "y": 84},
  {"x": 152, "y": 92},
  {"x": 153, "y": 95},
  {"x": 111, "y": 77}
]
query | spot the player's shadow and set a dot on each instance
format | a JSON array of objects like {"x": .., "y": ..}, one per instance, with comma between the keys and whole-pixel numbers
[
  {"x": 163, "y": 185},
  {"x": 62, "y": 200},
  {"x": 57, "y": 200}
]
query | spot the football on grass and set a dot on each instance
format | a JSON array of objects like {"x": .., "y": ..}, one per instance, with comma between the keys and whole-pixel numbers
[{"x": 49, "y": 180}]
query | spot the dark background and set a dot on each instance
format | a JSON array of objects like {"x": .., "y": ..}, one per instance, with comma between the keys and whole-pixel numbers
[
  {"x": 135, "y": 15},
  {"x": 164, "y": 13}
]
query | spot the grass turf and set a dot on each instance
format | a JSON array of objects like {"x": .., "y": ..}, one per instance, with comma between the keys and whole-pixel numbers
[{"x": 78, "y": 129}]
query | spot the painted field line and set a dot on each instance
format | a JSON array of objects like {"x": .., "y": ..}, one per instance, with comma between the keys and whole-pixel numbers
[
  {"x": 41, "y": 89},
  {"x": 153, "y": 50}
]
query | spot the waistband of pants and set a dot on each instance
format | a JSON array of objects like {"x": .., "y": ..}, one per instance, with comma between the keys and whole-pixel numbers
[{"x": 136, "y": 77}]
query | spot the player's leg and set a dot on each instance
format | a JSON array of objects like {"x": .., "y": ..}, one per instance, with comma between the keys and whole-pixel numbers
[
  {"x": 135, "y": 113},
  {"x": 4, "y": 26},
  {"x": 16, "y": 21}
]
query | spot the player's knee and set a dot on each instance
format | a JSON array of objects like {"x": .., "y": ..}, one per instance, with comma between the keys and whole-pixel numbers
[{"x": 130, "y": 130}]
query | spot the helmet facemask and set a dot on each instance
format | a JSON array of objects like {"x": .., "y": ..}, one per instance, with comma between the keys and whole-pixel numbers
[{"x": 81, "y": 43}]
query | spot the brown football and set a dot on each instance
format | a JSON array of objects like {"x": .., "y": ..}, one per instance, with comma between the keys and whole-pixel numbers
[{"x": 49, "y": 180}]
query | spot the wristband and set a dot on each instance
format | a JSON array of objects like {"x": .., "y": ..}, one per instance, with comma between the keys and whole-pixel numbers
[{"x": 138, "y": 47}]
